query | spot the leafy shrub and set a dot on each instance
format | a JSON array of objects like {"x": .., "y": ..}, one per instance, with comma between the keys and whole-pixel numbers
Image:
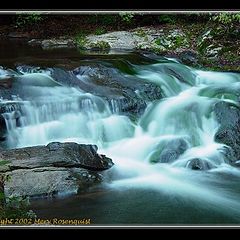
[
  {"x": 80, "y": 39},
  {"x": 166, "y": 18},
  {"x": 13, "y": 207},
  {"x": 126, "y": 18},
  {"x": 141, "y": 33},
  {"x": 100, "y": 31},
  {"x": 106, "y": 19},
  {"x": 227, "y": 18},
  {"x": 17, "y": 207},
  {"x": 101, "y": 45},
  {"x": 228, "y": 25},
  {"x": 24, "y": 20}
]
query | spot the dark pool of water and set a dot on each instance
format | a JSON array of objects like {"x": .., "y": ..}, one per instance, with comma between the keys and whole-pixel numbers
[{"x": 131, "y": 207}]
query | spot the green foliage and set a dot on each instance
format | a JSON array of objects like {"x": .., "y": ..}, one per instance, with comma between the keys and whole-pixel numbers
[
  {"x": 140, "y": 32},
  {"x": 101, "y": 19},
  {"x": 166, "y": 18},
  {"x": 158, "y": 41},
  {"x": 13, "y": 207},
  {"x": 80, "y": 39},
  {"x": 126, "y": 18},
  {"x": 24, "y": 20},
  {"x": 179, "y": 41},
  {"x": 227, "y": 26},
  {"x": 172, "y": 41},
  {"x": 16, "y": 207},
  {"x": 100, "y": 31},
  {"x": 101, "y": 45},
  {"x": 4, "y": 162},
  {"x": 227, "y": 18}
]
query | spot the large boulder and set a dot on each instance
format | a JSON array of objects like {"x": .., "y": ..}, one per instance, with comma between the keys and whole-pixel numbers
[
  {"x": 25, "y": 86},
  {"x": 189, "y": 57},
  {"x": 228, "y": 116},
  {"x": 8, "y": 109},
  {"x": 57, "y": 154},
  {"x": 55, "y": 43},
  {"x": 127, "y": 94},
  {"x": 167, "y": 151},
  {"x": 117, "y": 40},
  {"x": 199, "y": 164},
  {"x": 52, "y": 169},
  {"x": 6, "y": 81},
  {"x": 3, "y": 128}
]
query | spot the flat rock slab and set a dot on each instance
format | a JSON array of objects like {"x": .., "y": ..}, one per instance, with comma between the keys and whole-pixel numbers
[
  {"x": 52, "y": 169},
  {"x": 55, "y": 155},
  {"x": 48, "y": 181},
  {"x": 116, "y": 40}
]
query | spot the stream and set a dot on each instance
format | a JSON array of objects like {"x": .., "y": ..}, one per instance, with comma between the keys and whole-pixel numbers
[{"x": 153, "y": 116}]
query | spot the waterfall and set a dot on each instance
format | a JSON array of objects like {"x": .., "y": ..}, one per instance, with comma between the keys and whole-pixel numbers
[{"x": 157, "y": 150}]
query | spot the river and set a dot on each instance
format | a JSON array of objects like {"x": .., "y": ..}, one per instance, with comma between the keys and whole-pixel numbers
[{"x": 168, "y": 167}]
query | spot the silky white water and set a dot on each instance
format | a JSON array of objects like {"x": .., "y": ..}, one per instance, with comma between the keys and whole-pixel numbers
[{"x": 67, "y": 114}]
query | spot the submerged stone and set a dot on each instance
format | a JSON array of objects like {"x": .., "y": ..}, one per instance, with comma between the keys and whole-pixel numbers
[
  {"x": 199, "y": 164},
  {"x": 169, "y": 150}
]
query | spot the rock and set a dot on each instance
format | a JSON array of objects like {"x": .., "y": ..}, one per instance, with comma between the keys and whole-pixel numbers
[
  {"x": 35, "y": 42},
  {"x": 212, "y": 51},
  {"x": 199, "y": 164},
  {"x": 181, "y": 72},
  {"x": 173, "y": 150},
  {"x": 7, "y": 110},
  {"x": 140, "y": 38},
  {"x": 189, "y": 57},
  {"x": 116, "y": 40},
  {"x": 57, "y": 43},
  {"x": 49, "y": 181},
  {"x": 3, "y": 128},
  {"x": 129, "y": 106},
  {"x": 125, "y": 94},
  {"x": 6, "y": 81},
  {"x": 228, "y": 116},
  {"x": 168, "y": 151},
  {"x": 36, "y": 79},
  {"x": 24, "y": 86},
  {"x": 68, "y": 78},
  {"x": 19, "y": 35},
  {"x": 52, "y": 169},
  {"x": 57, "y": 155},
  {"x": 9, "y": 106}
]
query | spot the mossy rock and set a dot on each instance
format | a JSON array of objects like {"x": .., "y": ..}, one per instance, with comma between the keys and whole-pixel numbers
[{"x": 101, "y": 45}]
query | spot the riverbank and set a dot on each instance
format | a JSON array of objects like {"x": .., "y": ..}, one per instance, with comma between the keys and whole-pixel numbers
[{"x": 197, "y": 42}]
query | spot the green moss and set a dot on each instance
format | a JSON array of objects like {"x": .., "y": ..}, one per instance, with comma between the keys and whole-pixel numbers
[
  {"x": 158, "y": 41},
  {"x": 102, "y": 45},
  {"x": 141, "y": 33},
  {"x": 15, "y": 208},
  {"x": 4, "y": 162},
  {"x": 80, "y": 39},
  {"x": 100, "y": 31}
]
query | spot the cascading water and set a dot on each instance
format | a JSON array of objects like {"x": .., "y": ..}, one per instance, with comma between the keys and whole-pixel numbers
[{"x": 154, "y": 152}]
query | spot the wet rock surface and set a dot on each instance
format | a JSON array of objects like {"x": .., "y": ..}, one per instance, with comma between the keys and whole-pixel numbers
[
  {"x": 55, "y": 168},
  {"x": 228, "y": 116}
]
